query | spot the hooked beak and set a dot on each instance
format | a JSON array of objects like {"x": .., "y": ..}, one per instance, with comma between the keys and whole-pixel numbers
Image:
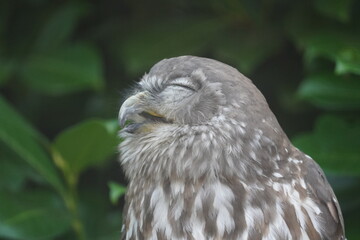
[
  {"x": 134, "y": 113},
  {"x": 130, "y": 109}
]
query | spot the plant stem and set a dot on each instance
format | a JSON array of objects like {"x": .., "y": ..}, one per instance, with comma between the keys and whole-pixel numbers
[
  {"x": 70, "y": 196},
  {"x": 72, "y": 204}
]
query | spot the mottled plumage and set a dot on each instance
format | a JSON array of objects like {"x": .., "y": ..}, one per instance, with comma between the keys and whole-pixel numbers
[{"x": 207, "y": 159}]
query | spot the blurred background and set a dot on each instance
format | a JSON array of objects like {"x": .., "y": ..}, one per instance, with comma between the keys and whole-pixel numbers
[{"x": 65, "y": 67}]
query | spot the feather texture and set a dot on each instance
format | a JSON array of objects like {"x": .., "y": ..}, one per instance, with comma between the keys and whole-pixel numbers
[{"x": 219, "y": 165}]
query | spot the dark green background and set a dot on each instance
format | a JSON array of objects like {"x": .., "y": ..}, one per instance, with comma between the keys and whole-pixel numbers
[{"x": 65, "y": 67}]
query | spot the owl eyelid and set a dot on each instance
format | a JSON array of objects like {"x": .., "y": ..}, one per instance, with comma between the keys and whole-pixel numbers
[
  {"x": 183, "y": 82},
  {"x": 183, "y": 86}
]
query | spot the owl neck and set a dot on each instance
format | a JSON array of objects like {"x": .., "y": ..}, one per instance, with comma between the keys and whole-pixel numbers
[{"x": 192, "y": 152}]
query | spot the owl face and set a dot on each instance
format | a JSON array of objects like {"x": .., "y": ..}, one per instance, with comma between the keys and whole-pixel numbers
[
  {"x": 193, "y": 91},
  {"x": 184, "y": 98}
]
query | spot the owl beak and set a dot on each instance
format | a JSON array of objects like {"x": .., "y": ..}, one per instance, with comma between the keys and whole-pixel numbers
[
  {"x": 134, "y": 112},
  {"x": 130, "y": 109}
]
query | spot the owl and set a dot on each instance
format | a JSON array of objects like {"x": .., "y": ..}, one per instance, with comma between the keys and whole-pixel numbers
[{"x": 206, "y": 159}]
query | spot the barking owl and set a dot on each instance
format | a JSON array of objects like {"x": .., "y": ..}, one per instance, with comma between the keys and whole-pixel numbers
[{"x": 206, "y": 159}]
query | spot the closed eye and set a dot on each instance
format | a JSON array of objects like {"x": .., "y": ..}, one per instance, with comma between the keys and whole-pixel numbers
[
  {"x": 184, "y": 82},
  {"x": 183, "y": 86}
]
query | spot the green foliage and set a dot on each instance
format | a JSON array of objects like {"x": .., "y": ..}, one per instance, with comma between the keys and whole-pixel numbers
[
  {"x": 331, "y": 91},
  {"x": 59, "y": 26},
  {"x": 26, "y": 215},
  {"x": 6, "y": 69},
  {"x": 71, "y": 68},
  {"x": 116, "y": 191},
  {"x": 97, "y": 144},
  {"x": 20, "y": 219},
  {"x": 25, "y": 141},
  {"x": 336, "y": 9},
  {"x": 255, "y": 48},
  {"x": 63, "y": 64},
  {"x": 338, "y": 42},
  {"x": 167, "y": 38},
  {"x": 333, "y": 144},
  {"x": 14, "y": 172}
]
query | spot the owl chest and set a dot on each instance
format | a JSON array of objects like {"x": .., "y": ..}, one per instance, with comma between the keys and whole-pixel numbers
[{"x": 215, "y": 211}]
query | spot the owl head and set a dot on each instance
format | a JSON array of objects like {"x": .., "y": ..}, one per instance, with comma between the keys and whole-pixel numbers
[
  {"x": 191, "y": 90},
  {"x": 194, "y": 116}
]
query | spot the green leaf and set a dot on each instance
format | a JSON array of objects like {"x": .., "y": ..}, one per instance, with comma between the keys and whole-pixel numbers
[
  {"x": 16, "y": 133},
  {"x": 116, "y": 191},
  {"x": 14, "y": 171},
  {"x": 143, "y": 47},
  {"x": 59, "y": 26},
  {"x": 101, "y": 220},
  {"x": 334, "y": 144},
  {"x": 329, "y": 91},
  {"x": 348, "y": 61},
  {"x": 84, "y": 145},
  {"x": 72, "y": 68},
  {"x": 339, "y": 10},
  {"x": 31, "y": 215},
  {"x": 339, "y": 43},
  {"x": 317, "y": 43},
  {"x": 112, "y": 126}
]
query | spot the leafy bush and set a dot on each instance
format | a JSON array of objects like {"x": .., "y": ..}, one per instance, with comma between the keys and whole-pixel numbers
[{"x": 65, "y": 64}]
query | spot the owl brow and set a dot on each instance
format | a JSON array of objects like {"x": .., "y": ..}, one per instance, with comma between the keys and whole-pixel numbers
[{"x": 151, "y": 83}]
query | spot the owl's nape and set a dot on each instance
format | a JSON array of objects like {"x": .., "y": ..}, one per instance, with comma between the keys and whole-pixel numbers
[{"x": 207, "y": 159}]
